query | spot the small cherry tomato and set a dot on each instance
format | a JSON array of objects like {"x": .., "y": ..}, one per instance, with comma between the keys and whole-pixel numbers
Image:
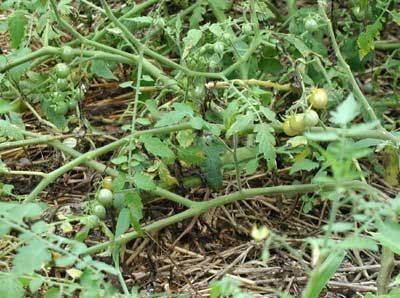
[
  {"x": 62, "y": 70},
  {"x": 105, "y": 197},
  {"x": 296, "y": 123},
  {"x": 62, "y": 84},
  {"x": 107, "y": 182},
  {"x": 72, "y": 104},
  {"x": 311, "y": 24},
  {"x": 287, "y": 129},
  {"x": 319, "y": 98},
  {"x": 100, "y": 211},
  {"x": 67, "y": 54},
  {"x": 61, "y": 108},
  {"x": 311, "y": 118}
]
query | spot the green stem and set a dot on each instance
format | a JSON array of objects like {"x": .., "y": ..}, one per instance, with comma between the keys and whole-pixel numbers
[
  {"x": 386, "y": 45},
  {"x": 149, "y": 67},
  {"x": 89, "y": 156},
  {"x": 203, "y": 206},
  {"x": 385, "y": 272},
  {"x": 356, "y": 89}
]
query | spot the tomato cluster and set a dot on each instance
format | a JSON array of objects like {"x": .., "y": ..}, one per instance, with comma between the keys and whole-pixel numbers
[{"x": 295, "y": 124}]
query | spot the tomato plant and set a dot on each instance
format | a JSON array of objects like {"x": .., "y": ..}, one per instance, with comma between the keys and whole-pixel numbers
[{"x": 137, "y": 138}]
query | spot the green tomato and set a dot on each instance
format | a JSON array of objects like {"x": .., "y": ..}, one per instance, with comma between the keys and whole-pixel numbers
[
  {"x": 67, "y": 54},
  {"x": 311, "y": 24},
  {"x": 61, "y": 108},
  {"x": 296, "y": 123},
  {"x": 311, "y": 118},
  {"x": 92, "y": 221},
  {"x": 219, "y": 47},
  {"x": 105, "y": 197},
  {"x": 119, "y": 201},
  {"x": 100, "y": 211},
  {"x": 72, "y": 104},
  {"x": 319, "y": 98},
  {"x": 62, "y": 70},
  {"x": 107, "y": 182},
  {"x": 62, "y": 84}
]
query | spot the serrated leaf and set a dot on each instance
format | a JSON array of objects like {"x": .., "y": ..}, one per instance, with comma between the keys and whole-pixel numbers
[
  {"x": 303, "y": 165},
  {"x": 193, "y": 155},
  {"x": 346, "y": 111},
  {"x": 157, "y": 147},
  {"x": 366, "y": 39},
  {"x": 212, "y": 165},
  {"x": 135, "y": 205},
  {"x": 192, "y": 38},
  {"x": 197, "y": 16},
  {"x": 266, "y": 142},
  {"x": 16, "y": 25},
  {"x": 165, "y": 176},
  {"x": 185, "y": 138},
  {"x": 31, "y": 257},
  {"x": 10, "y": 130},
  {"x": 101, "y": 69},
  {"x": 143, "y": 181},
  {"x": 180, "y": 111},
  {"x": 242, "y": 123},
  {"x": 389, "y": 235},
  {"x": 251, "y": 166}
]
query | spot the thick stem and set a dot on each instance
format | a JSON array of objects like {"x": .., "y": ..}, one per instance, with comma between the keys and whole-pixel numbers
[
  {"x": 202, "y": 207},
  {"x": 88, "y": 156},
  {"x": 385, "y": 273}
]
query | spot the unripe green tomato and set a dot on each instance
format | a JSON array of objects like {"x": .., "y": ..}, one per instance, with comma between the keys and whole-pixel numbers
[
  {"x": 219, "y": 47},
  {"x": 287, "y": 129},
  {"x": 311, "y": 118},
  {"x": 247, "y": 28},
  {"x": 67, "y": 54},
  {"x": 92, "y": 221},
  {"x": 105, "y": 197},
  {"x": 311, "y": 24},
  {"x": 100, "y": 211},
  {"x": 107, "y": 182},
  {"x": 62, "y": 70},
  {"x": 61, "y": 108},
  {"x": 296, "y": 123},
  {"x": 62, "y": 84},
  {"x": 119, "y": 201},
  {"x": 72, "y": 104},
  {"x": 319, "y": 98}
]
